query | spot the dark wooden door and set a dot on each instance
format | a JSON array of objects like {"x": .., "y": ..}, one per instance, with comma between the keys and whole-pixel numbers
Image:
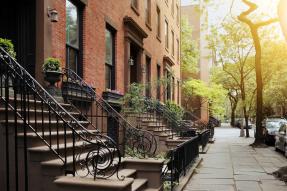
[{"x": 17, "y": 23}]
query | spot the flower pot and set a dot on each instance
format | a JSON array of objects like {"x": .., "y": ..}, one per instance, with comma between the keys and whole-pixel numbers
[{"x": 52, "y": 77}]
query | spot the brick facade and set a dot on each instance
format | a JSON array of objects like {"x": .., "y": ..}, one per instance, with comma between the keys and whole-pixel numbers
[{"x": 96, "y": 14}]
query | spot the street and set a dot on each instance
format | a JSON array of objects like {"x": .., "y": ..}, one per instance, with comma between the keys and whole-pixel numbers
[{"x": 231, "y": 164}]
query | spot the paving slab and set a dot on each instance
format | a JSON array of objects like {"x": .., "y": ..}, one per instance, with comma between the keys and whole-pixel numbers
[{"x": 232, "y": 165}]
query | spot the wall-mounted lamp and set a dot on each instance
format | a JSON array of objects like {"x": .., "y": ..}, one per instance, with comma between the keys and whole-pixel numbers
[
  {"x": 131, "y": 61},
  {"x": 53, "y": 15}
]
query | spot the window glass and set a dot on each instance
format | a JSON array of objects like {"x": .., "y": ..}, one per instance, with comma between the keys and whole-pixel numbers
[
  {"x": 72, "y": 24},
  {"x": 166, "y": 34},
  {"x": 147, "y": 11},
  {"x": 109, "y": 47},
  {"x": 158, "y": 22},
  {"x": 172, "y": 43},
  {"x": 110, "y": 59}
]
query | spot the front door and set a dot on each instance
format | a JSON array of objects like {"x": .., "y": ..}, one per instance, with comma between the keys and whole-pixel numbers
[{"x": 17, "y": 23}]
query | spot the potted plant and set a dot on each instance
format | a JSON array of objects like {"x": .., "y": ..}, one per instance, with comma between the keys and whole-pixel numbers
[
  {"x": 52, "y": 70},
  {"x": 8, "y": 46}
]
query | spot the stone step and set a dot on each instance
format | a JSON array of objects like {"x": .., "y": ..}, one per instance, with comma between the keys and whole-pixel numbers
[
  {"x": 33, "y": 103},
  {"x": 58, "y": 163},
  {"x": 33, "y": 139},
  {"x": 34, "y": 114},
  {"x": 139, "y": 184},
  {"x": 66, "y": 183},
  {"x": 42, "y": 125},
  {"x": 42, "y": 153}
]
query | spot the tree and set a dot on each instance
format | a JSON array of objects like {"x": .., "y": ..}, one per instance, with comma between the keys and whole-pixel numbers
[
  {"x": 219, "y": 77},
  {"x": 254, "y": 27},
  {"x": 189, "y": 51},
  {"x": 231, "y": 50},
  {"x": 213, "y": 93},
  {"x": 274, "y": 69}
]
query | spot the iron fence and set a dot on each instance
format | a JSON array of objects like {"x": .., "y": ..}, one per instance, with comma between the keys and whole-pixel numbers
[
  {"x": 204, "y": 138},
  {"x": 180, "y": 160}
]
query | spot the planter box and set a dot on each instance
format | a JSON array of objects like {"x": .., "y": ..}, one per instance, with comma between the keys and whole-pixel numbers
[
  {"x": 76, "y": 91},
  {"x": 112, "y": 97}
]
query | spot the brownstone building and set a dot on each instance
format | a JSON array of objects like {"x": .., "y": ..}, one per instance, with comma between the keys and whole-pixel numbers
[{"x": 109, "y": 43}]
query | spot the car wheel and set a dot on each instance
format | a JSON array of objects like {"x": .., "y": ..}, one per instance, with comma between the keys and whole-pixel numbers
[{"x": 276, "y": 149}]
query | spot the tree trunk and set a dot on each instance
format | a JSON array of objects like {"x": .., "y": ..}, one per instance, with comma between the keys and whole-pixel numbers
[
  {"x": 233, "y": 104},
  {"x": 259, "y": 138},
  {"x": 232, "y": 121}
]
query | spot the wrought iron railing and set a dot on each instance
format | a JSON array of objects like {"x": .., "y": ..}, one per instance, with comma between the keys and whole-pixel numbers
[
  {"x": 161, "y": 112},
  {"x": 29, "y": 108},
  {"x": 204, "y": 138},
  {"x": 180, "y": 160},
  {"x": 99, "y": 113}
]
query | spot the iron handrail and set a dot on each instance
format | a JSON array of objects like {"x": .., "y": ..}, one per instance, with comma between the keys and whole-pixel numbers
[
  {"x": 98, "y": 141},
  {"x": 143, "y": 143},
  {"x": 162, "y": 110}
]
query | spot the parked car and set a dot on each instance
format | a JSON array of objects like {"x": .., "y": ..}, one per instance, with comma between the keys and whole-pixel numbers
[
  {"x": 281, "y": 139},
  {"x": 271, "y": 127},
  {"x": 241, "y": 121}
]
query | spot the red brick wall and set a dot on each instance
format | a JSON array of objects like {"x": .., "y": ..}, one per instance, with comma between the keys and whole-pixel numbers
[{"x": 94, "y": 24}]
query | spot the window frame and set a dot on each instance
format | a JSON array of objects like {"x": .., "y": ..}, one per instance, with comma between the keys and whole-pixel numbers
[
  {"x": 172, "y": 43},
  {"x": 148, "y": 76},
  {"x": 166, "y": 34},
  {"x": 148, "y": 12},
  {"x": 78, "y": 50},
  {"x": 158, "y": 68},
  {"x": 112, "y": 67},
  {"x": 158, "y": 20}
]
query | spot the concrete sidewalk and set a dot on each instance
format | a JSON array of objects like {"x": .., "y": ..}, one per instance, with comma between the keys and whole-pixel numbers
[{"x": 232, "y": 165}]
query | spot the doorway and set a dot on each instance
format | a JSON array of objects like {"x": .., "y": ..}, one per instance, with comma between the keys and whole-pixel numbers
[
  {"x": 18, "y": 23},
  {"x": 134, "y": 64}
]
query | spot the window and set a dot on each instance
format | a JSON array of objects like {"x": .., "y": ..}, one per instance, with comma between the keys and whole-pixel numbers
[
  {"x": 158, "y": 83},
  {"x": 178, "y": 91},
  {"x": 173, "y": 88},
  {"x": 147, "y": 11},
  {"x": 172, "y": 7},
  {"x": 110, "y": 59},
  {"x": 172, "y": 43},
  {"x": 148, "y": 76},
  {"x": 166, "y": 34},
  {"x": 73, "y": 28},
  {"x": 134, "y": 3},
  {"x": 177, "y": 15},
  {"x": 168, "y": 86},
  {"x": 178, "y": 50},
  {"x": 158, "y": 23}
]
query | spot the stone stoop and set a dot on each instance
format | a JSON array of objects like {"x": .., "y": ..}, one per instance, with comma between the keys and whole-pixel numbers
[
  {"x": 46, "y": 170},
  {"x": 140, "y": 175},
  {"x": 166, "y": 139}
]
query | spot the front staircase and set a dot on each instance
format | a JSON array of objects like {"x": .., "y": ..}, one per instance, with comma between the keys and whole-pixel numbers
[
  {"x": 51, "y": 146},
  {"x": 162, "y": 128}
]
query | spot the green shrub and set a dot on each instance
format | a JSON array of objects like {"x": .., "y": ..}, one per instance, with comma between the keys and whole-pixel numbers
[
  {"x": 175, "y": 110},
  {"x": 134, "y": 98},
  {"x": 52, "y": 64},
  {"x": 8, "y": 46}
]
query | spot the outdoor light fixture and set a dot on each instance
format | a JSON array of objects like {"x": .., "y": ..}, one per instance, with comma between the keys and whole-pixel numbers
[
  {"x": 131, "y": 61},
  {"x": 53, "y": 15}
]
